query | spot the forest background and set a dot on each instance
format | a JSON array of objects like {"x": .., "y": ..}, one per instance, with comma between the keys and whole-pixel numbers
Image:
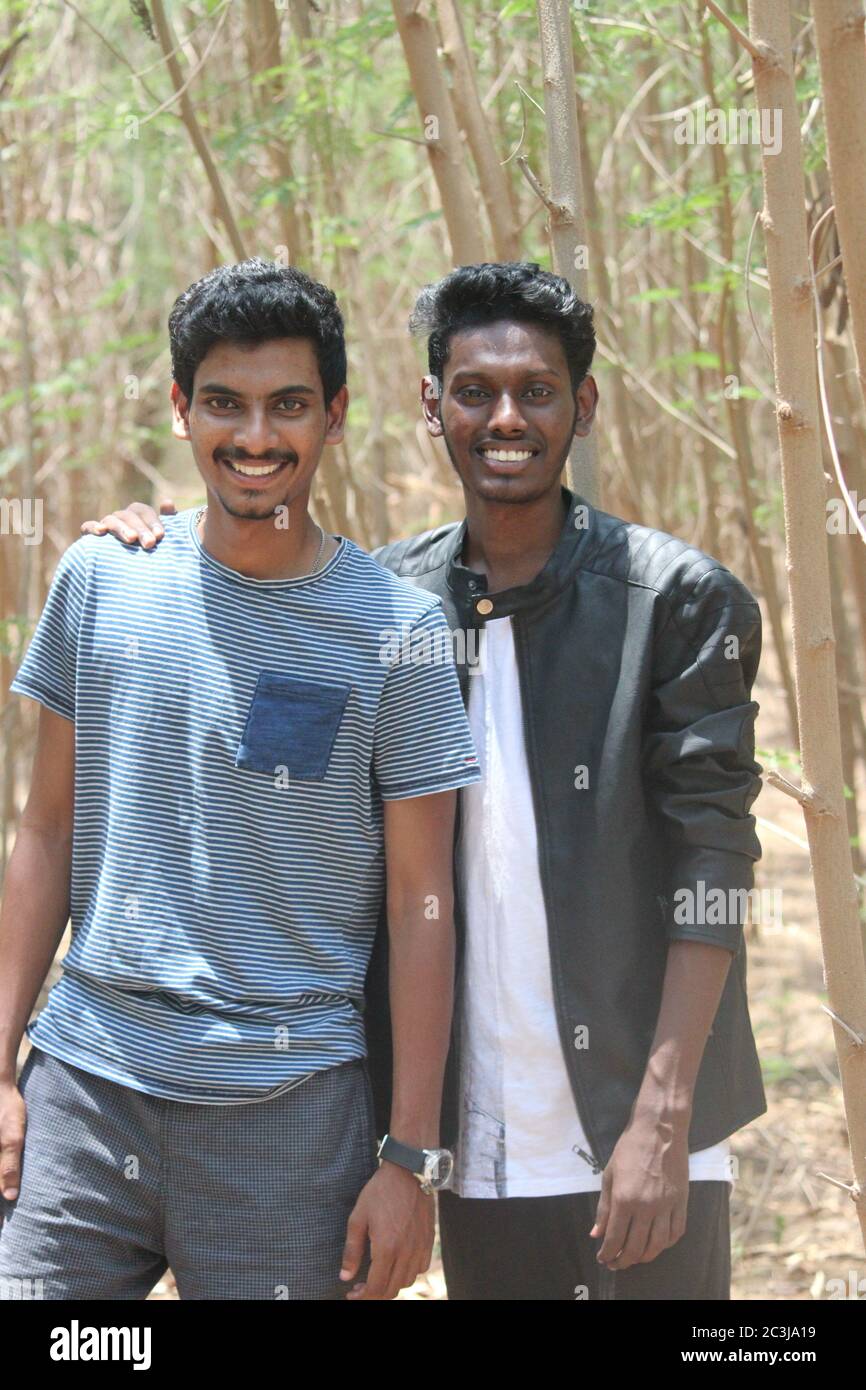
[{"x": 375, "y": 145}]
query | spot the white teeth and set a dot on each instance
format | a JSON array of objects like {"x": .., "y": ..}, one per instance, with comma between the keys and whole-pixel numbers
[
  {"x": 255, "y": 470},
  {"x": 507, "y": 455}
]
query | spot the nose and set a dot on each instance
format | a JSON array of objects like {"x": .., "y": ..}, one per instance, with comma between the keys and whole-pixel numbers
[
  {"x": 506, "y": 416},
  {"x": 255, "y": 431}
]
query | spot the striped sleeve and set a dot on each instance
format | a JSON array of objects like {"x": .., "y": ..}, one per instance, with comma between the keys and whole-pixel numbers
[
  {"x": 48, "y": 671},
  {"x": 422, "y": 742}
]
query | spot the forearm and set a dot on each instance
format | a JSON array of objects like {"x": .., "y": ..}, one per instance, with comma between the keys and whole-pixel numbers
[
  {"x": 695, "y": 976},
  {"x": 421, "y": 999},
  {"x": 33, "y": 917}
]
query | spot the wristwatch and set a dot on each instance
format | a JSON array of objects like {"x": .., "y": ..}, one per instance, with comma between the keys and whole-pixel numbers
[{"x": 432, "y": 1167}]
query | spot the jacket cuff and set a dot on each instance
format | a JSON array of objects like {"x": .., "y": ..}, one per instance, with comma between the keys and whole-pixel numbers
[{"x": 710, "y": 892}]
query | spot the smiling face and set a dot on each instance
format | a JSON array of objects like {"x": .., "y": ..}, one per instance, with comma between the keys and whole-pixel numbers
[
  {"x": 508, "y": 411},
  {"x": 257, "y": 423}
]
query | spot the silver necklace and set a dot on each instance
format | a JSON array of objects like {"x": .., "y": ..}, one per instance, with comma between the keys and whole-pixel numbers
[
  {"x": 319, "y": 551},
  {"x": 201, "y": 511}
]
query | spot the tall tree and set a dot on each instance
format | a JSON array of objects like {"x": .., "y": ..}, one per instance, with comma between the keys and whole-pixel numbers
[
  {"x": 822, "y": 793},
  {"x": 222, "y": 205},
  {"x": 442, "y": 136},
  {"x": 492, "y": 177},
  {"x": 839, "y": 26},
  {"x": 565, "y": 200}
]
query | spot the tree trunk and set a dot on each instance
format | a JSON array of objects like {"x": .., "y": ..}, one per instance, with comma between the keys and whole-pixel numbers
[
  {"x": 803, "y": 490},
  {"x": 264, "y": 33},
  {"x": 624, "y": 483},
  {"x": 760, "y": 552},
  {"x": 566, "y": 206},
  {"x": 168, "y": 44},
  {"x": 470, "y": 114},
  {"x": 842, "y": 60},
  {"x": 730, "y": 357},
  {"x": 24, "y": 488},
  {"x": 444, "y": 147}
]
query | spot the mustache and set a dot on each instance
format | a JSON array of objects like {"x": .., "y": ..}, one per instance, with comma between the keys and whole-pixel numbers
[{"x": 232, "y": 455}]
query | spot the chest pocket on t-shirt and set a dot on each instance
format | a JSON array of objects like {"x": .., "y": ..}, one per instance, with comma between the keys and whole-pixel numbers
[{"x": 292, "y": 724}]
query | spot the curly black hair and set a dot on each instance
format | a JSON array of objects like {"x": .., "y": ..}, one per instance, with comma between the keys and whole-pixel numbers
[
  {"x": 256, "y": 301},
  {"x": 493, "y": 292}
]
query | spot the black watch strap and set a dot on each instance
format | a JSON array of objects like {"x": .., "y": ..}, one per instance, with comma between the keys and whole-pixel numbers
[{"x": 402, "y": 1155}]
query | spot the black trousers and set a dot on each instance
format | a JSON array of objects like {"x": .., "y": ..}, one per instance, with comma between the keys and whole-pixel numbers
[{"x": 539, "y": 1248}]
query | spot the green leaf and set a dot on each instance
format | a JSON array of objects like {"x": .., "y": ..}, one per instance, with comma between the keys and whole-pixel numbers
[
  {"x": 419, "y": 221},
  {"x": 724, "y": 279},
  {"x": 654, "y": 296},
  {"x": 698, "y": 358}
]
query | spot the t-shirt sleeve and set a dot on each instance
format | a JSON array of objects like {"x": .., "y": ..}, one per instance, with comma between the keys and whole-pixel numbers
[
  {"x": 48, "y": 671},
  {"x": 422, "y": 740}
]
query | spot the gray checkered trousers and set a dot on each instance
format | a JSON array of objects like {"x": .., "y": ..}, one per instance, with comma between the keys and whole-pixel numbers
[{"x": 244, "y": 1201}]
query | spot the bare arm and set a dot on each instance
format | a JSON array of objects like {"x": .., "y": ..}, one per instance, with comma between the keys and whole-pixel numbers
[
  {"x": 645, "y": 1189},
  {"x": 419, "y": 839},
  {"x": 34, "y": 914},
  {"x": 694, "y": 979},
  {"x": 392, "y": 1209}
]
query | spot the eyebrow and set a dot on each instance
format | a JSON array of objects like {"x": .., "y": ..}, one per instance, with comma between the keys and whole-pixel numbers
[
  {"x": 215, "y": 389},
  {"x": 465, "y": 372}
]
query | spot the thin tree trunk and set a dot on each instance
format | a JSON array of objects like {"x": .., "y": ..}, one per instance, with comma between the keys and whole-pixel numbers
[
  {"x": 851, "y": 442},
  {"x": 264, "y": 31},
  {"x": 730, "y": 357},
  {"x": 565, "y": 201},
  {"x": 376, "y": 441},
  {"x": 168, "y": 44},
  {"x": 444, "y": 146},
  {"x": 703, "y": 390},
  {"x": 759, "y": 551},
  {"x": 511, "y": 183},
  {"x": 821, "y": 795},
  {"x": 619, "y": 423},
  {"x": 26, "y": 487},
  {"x": 842, "y": 60},
  {"x": 467, "y": 105},
  {"x": 850, "y": 713}
]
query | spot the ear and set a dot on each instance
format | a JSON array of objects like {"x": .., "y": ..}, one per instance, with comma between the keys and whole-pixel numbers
[
  {"x": 431, "y": 392},
  {"x": 586, "y": 400},
  {"x": 336, "y": 416},
  {"x": 179, "y": 413}
]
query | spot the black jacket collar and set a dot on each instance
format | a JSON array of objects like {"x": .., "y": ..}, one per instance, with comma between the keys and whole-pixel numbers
[{"x": 468, "y": 586}]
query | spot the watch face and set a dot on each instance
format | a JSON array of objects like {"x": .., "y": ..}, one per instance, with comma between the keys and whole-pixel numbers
[{"x": 438, "y": 1168}]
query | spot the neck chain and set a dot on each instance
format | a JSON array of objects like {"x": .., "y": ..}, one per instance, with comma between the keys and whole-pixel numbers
[{"x": 202, "y": 510}]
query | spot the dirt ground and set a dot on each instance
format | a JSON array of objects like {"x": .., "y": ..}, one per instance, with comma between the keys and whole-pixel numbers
[{"x": 794, "y": 1234}]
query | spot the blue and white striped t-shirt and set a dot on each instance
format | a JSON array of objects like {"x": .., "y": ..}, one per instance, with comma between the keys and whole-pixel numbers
[{"x": 234, "y": 741}]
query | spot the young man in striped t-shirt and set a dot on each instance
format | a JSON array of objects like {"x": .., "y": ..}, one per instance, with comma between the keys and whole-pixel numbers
[{"x": 245, "y": 751}]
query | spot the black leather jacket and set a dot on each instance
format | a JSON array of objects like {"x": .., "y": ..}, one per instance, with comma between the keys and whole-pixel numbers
[{"x": 636, "y": 656}]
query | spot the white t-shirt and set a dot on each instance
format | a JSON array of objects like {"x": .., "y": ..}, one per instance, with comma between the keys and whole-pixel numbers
[{"x": 520, "y": 1135}]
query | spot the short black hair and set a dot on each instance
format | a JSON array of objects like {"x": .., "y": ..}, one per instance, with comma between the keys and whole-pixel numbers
[
  {"x": 493, "y": 292},
  {"x": 256, "y": 301}
]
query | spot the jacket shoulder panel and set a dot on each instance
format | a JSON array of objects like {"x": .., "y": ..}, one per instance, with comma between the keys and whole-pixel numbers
[
  {"x": 418, "y": 554},
  {"x": 666, "y": 564}
]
